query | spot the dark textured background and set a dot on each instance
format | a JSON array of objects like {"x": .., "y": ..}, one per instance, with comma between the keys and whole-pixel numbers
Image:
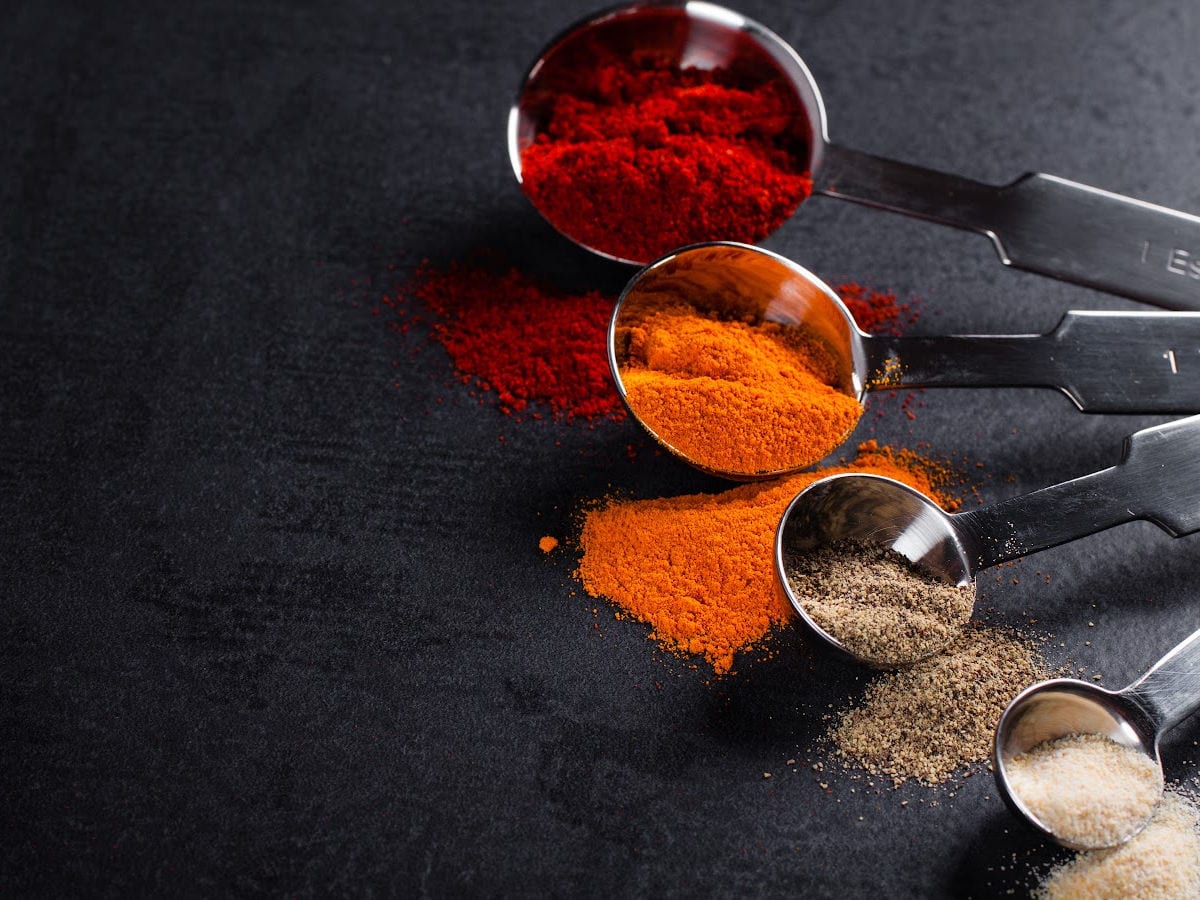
[{"x": 275, "y": 625}]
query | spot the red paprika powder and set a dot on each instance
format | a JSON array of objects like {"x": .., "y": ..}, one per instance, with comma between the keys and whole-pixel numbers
[
  {"x": 876, "y": 311},
  {"x": 643, "y": 157},
  {"x": 509, "y": 333},
  {"x": 535, "y": 348}
]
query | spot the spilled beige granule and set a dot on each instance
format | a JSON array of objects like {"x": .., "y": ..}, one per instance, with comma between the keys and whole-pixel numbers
[
  {"x": 1086, "y": 788},
  {"x": 1162, "y": 862},
  {"x": 932, "y": 719},
  {"x": 876, "y": 605}
]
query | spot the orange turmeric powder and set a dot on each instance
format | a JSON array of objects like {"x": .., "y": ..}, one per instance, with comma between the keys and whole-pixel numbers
[
  {"x": 733, "y": 392},
  {"x": 699, "y": 568}
]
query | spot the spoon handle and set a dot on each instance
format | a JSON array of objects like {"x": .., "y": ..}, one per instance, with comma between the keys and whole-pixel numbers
[
  {"x": 1170, "y": 691},
  {"x": 1106, "y": 362},
  {"x": 1158, "y": 480},
  {"x": 1039, "y": 223}
]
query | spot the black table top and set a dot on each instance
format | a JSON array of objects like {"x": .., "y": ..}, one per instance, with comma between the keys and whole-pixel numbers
[{"x": 276, "y": 626}]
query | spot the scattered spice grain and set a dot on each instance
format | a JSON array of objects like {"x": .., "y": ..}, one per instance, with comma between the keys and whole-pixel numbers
[
  {"x": 483, "y": 308},
  {"x": 876, "y": 604},
  {"x": 1161, "y": 862},
  {"x": 875, "y": 310},
  {"x": 547, "y": 543},
  {"x": 932, "y": 719},
  {"x": 1086, "y": 788}
]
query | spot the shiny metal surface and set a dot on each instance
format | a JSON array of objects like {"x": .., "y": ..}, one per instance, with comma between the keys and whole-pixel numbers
[
  {"x": 759, "y": 286},
  {"x": 1170, "y": 691},
  {"x": 1105, "y": 362},
  {"x": 874, "y": 511},
  {"x": 1060, "y": 708},
  {"x": 1040, "y": 223},
  {"x": 1158, "y": 480},
  {"x": 1137, "y": 717}
]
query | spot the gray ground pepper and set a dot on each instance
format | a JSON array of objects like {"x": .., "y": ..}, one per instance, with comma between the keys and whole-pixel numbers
[
  {"x": 928, "y": 721},
  {"x": 872, "y": 600}
]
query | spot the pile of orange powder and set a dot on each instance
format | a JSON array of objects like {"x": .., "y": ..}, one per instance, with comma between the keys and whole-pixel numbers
[{"x": 698, "y": 569}]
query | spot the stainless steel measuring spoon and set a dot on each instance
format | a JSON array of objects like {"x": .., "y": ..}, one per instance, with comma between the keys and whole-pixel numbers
[
  {"x": 1137, "y": 716},
  {"x": 1106, "y": 362},
  {"x": 1040, "y": 223},
  {"x": 1157, "y": 480}
]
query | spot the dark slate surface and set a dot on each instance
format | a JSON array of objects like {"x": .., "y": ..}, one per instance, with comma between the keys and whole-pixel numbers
[{"x": 274, "y": 625}]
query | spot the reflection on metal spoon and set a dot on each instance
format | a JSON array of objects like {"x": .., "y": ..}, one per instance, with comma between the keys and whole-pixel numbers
[{"x": 1137, "y": 717}]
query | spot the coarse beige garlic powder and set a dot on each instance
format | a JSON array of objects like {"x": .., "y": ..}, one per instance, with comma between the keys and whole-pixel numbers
[
  {"x": 1086, "y": 788},
  {"x": 1162, "y": 862}
]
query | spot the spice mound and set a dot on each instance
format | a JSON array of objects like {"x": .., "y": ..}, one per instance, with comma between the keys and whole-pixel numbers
[
  {"x": 639, "y": 157},
  {"x": 536, "y": 349},
  {"x": 1086, "y": 788},
  {"x": 876, "y": 604},
  {"x": 735, "y": 396},
  {"x": 698, "y": 569},
  {"x": 1161, "y": 862},
  {"x": 930, "y": 720}
]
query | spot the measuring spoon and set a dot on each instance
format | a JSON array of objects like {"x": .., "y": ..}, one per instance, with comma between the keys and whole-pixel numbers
[
  {"x": 1039, "y": 223},
  {"x": 1157, "y": 480},
  {"x": 1106, "y": 362},
  {"x": 1137, "y": 716}
]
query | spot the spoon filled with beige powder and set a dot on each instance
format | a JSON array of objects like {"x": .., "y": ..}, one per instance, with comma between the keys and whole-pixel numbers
[
  {"x": 1081, "y": 763},
  {"x": 881, "y": 572}
]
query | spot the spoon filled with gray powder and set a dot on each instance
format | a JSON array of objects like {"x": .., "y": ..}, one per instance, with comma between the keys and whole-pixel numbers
[
  {"x": 877, "y": 604},
  {"x": 881, "y": 572}
]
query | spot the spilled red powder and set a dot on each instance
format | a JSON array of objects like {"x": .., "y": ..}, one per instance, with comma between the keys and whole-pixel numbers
[
  {"x": 876, "y": 311},
  {"x": 526, "y": 342},
  {"x": 539, "y": 350}
]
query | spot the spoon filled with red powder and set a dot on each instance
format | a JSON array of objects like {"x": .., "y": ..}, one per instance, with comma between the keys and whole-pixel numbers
[{"x": 653, "y": 126}]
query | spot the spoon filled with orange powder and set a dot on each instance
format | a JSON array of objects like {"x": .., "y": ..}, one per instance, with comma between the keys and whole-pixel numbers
[{"x": 747, "y": 365}]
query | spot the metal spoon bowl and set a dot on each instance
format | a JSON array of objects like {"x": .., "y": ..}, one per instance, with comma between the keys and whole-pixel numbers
[
  {"x": 729, "y": 280},
  {"x": 1136, "y": 716},
  {"x": 1157, "y": 480},
  {"x": 870, "y": 511},
  {"x": 1061, "y": 708},
  {"x": 689, "y": 35},
  {"x": 1040, "y": 223}
]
